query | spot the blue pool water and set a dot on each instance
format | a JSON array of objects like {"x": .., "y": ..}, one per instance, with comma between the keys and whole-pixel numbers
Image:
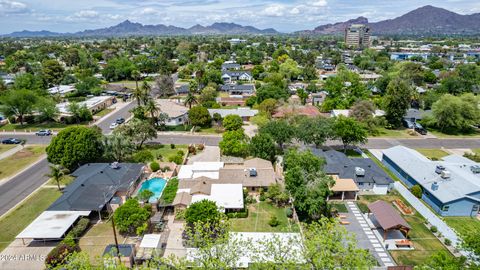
[{"x": 155, "y": 185}]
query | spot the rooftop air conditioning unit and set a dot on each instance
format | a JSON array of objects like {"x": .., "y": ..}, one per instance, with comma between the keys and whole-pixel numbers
[
  {"x": 445, "y": 174},
  {"x": 253, "y": 172},
  {"x": 359, "y": 171},
  {"x": 115, "y": 165},
  {"x": 439, "y": 169},
  {"x": 435, "y": 186},
  {"x": 475, "y": 169}
]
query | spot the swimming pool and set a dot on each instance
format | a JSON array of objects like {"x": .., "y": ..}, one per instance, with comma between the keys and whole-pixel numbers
[{"x": 155, "y": 185}]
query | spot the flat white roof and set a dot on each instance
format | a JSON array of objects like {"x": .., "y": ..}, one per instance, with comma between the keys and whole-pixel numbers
[
  {"x": 90, "y": 103},
  {"x": 150, "y": 241},
  {"x": 61, "y": 89},
  {"x": 226, "y": 196},
  {"x": 51, "y": 224},
  {"x": 199, "y": 169}
]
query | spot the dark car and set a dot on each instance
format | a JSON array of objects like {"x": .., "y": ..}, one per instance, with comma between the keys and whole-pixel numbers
[
  {"x": 44, "y": 132},
  {"x": 420, "y": 129},
  {"x": 11, "y": 141},
  {"x": 120, "y": 121}
]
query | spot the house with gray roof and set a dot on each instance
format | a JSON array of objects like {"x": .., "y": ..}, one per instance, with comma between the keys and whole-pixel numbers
[
  {"x": 245, "y": 112},
  {"x": 96, "y": 184},
  {"x": 238, "y": 89},
  {"x": 368, "y": 176},
  {"x": 236, "y": 75},
  {"x": 451, "y": 186}
]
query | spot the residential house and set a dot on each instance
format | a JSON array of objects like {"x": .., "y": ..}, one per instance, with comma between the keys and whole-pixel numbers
[
  {"x": 415, "y": 115},
  {"x": 307, "y": 110},
  {"x": 346, "y": 113},
  {"x": 451, "y": 186},
  {"x": 182, "y": 89},
  {"x": 230, "y": 65},
  {"x": 61, "y": 89},
  {"x": 237, "y": 75},
  {"x": 317, "y": 98},
  {"x": 245, "y": 112},
  {"x": 238, "y": 89},
  {"x": 233, "y": 100},
  {"x": 94, "y": 105},
  {"x": 368, "y": 176},
  {"x": 177, "y": 113}
]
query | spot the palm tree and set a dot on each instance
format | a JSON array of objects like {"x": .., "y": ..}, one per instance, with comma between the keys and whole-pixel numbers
[
  {"x": 153, "y": 109},
  {"x": 137, "y": 93},
  {"x": 57, "y": 172},
  {"x": 136, "y": 75},
  {"x": 190, "y": 99},
  {"x": 146, "y": 89}
]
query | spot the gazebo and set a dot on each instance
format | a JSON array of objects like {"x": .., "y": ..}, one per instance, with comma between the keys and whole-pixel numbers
[{"x": 388, "y": 219}]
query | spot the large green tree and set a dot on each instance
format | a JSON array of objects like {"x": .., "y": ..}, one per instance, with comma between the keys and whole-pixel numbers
[
  {"x": 199, "y": 116},
  {"x": 130, "y": 216},
  {"x": 263, "y": 146},
  {"x": 203, "y": 211},
  {"x": 234, "y": 143},
  {"x": 453, "y": 114},
  {"x": 397, "y": 101},
  {"x": 75, "y": 146},
  {"x": 280, "y": 130},
  {"x": 53, "y": 72},
  {"x": 343, "y": 90},
  {"x": 18, "y": 103},
  {"x": 138, "y": 131},
  {"x": 314, "y": 130},
  {"x": 232, "y": 122},
  {"x": 349, "y": 131}
]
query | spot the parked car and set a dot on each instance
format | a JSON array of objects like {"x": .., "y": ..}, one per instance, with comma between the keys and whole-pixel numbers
[
  {"x": 113, "y": 125},
  {"x": 44, "y": 132},
  {"x": 420, "y": 129},
  {"x": 120, "y": 121},
  {"x": 11, "y": 141},
  {"x": 408, "y": 123}
]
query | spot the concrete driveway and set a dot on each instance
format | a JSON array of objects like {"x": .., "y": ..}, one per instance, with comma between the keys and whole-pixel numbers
[
  {"x": 29, "y": 256},
  {"x": 209, "y": 154}
]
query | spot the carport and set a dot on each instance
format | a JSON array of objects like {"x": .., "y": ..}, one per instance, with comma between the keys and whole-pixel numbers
[{"x": 51, "y": 225}]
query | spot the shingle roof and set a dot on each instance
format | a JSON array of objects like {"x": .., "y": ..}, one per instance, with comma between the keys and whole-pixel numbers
[
  {"x": 182, "y": 198},
  {"x": 339, "y": 164},
  {"x": 387, "y": 216},
  {"x": 95, "y": 185},
  {"x": 171, "y": 108}
]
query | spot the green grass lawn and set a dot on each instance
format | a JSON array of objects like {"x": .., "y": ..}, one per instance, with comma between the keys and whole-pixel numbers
[
  {"x": 66, "y": 180},
  {"x": 341, "y": 207},
  {"x": 12, "y": 224},
  {"x": 258, "y": 217},
  {"x": 104, "y": 112},
  {"x": 474, "y": 134},
  {"x": 165, "y": 151},
  {"x": 463, "y": 224},
  {"x": 33, "y": 127},
  {"x": 6, "y": 147},
  {"x": 20, "y": 160},
  {"x": 97, "y": 238},
  {"x": 476, "y": 151},
  {"x": 393, "y": 133},
  {"x": 424, "y": 241},
  {"x": 433, "y": 154},
  {"x": 188, "y": 128}
]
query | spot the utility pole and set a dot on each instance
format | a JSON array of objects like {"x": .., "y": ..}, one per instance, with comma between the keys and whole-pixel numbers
[{"x": 116, "y": 240}]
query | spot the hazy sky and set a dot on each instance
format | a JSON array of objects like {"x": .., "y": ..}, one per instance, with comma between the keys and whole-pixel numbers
[{"x": 283, "y": 15}]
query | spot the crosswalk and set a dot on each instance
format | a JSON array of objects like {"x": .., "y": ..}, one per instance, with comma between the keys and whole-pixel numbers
[{"x": 379, "y": 249}]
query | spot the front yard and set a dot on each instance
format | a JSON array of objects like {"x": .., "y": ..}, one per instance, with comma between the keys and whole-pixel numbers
[
  {"x": 425, "y": 243},
  {"x": 17, "y": 220},
  {"x": 259, "y": 216},
  {"x": 20, "y": 160},
  {"x": 164, "y": 152},
  {"x": 33, "y": 127},
  {"x": 6, "y": 147},
  {"x": 433, "y": 154},
  {"x": 463, "y": 225}
]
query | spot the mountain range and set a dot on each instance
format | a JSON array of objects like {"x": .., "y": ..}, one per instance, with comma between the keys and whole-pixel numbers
[{"x": 424, "y": 21}]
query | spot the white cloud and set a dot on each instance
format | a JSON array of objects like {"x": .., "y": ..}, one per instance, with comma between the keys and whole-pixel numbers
[
  {"x": 295, "y": 11},
  {"x": 274, "y": 10},
  {"x": 86, "y": 14},
  {"x": 319, "y": 3},
  {"x": 149, "y": 11},
  {"x": 7, "y": 6}
]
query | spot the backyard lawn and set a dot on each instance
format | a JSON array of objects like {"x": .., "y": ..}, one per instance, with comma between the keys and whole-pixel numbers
[
  {"x": 463, "y": 224},
  {"x": 258, "y": 217},
  {"x": 20, "y": 160},
  {"x": 165, "y": 151},
  {"x": 97, "y": 238},
  {"x": 425, "y": 242},
  {"x": 12, "y": 224},
  {"x": 433, "y": 154},
  {"x": 6, "y": 147}
]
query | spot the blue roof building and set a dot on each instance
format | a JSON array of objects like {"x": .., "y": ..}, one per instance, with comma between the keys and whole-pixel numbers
[{"x": 451, "y": 186}]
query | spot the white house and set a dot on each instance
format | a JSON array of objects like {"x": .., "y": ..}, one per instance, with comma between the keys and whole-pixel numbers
[{"x": 177, "y": 113}]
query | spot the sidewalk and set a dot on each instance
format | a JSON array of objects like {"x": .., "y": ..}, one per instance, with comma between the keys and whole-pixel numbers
[{"x": 10, "y": 152}]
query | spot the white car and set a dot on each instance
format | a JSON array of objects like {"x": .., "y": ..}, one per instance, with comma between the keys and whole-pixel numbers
[{"x": 113, "y": 125}]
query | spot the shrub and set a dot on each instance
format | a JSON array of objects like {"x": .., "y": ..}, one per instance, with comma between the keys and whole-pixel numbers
[
  {"x": 416, "y": 191},
  {"x": 180, "y": 214},
  {"x": 447, "y": 242},
  {"x": 143, "y": 156},
  {"x": 242, "y": 214},
  {"x": 80, "y": 228},
  {"x": 289, "y": 212},
  {"x": 176, "y": 159},
  {"x": 192, "y": 149},
  {"x": 58, "y": 255},
  {"x": 274, "y": 222},
  {"x": 154, "y": 166},
  {"x": 200, "y": 147},
  {"x": 434, "y": 229},
  {"x": 172, "y": 146},
  {"x": 142, "y": 229},
  {"x": 180, "y": 153}
]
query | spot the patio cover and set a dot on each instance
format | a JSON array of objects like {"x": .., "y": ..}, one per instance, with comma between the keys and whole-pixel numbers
[
  {"x": 51, "y": 224},
  {"x": 387, "y": 217},
  {"x": 344, "y": 185},
  {"x": 150, "y": 241}
]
